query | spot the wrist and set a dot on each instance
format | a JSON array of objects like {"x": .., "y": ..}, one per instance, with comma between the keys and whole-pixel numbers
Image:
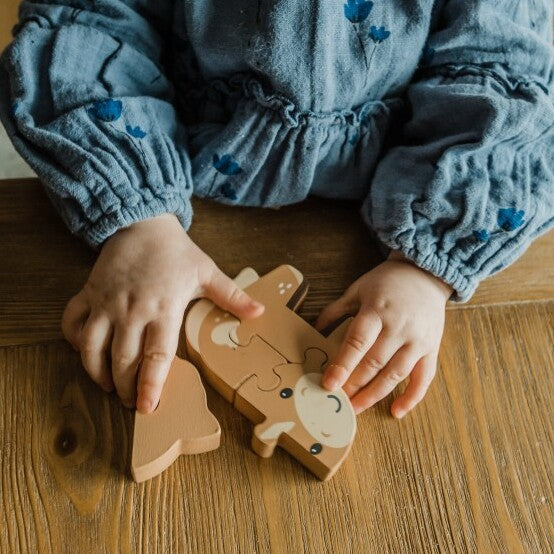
[
  {"x": 166, "y": 222},
  {"x": 397, "y": 255},
  {"x": 443, "y": 286},
  {"x": 162, "y": 223},
  {"x": 161, "y": 219}
]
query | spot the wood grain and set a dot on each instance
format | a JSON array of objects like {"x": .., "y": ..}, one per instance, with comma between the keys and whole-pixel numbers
[
  {"x": 469, "y": 471},
  {"x": 8, "y": 18},
  {"x": 42, "y": 265}
]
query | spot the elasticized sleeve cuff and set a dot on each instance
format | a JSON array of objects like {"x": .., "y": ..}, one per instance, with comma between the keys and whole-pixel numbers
[{"x": 96, "y": 233}]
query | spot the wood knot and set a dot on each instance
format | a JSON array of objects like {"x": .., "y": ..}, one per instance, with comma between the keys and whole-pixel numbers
[{"x": 65, "y": 442}]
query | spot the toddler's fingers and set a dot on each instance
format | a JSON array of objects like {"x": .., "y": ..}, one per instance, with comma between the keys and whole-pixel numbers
[
  {"x": 399, "y": 367},
  {"x": 376, "y": 359},
  {"x": 160, "y": 346},
  {"x": 126, "y": 354},
  {"x": 420, "y": 379},
  {"x": 93, "y": 343},
  {"x": 224, "y": 292},
  {"x": 73, "y": 318},
  {"x": 361, "y": 334},
  {"x": 336, "y": 309}
]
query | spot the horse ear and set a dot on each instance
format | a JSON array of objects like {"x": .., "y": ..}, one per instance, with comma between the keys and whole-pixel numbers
[
  {"x": 246, "y": 277},
  {"x": 285, "y": 285}
]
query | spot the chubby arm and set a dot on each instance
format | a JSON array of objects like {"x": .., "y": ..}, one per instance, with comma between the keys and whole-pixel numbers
[
  {"x": 464, "y": 192},
  {"x": 470, "y": 183},
  {"x": 85, "y": 99},
  {"x": 86, "y": 102}
]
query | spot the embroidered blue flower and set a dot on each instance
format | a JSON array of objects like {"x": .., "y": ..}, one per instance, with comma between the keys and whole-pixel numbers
[
  {"x": 226, "y": 165},
  {"x": 357, "y": 10},
  {"x": 378, "y": 34},
  {"x": 483, "y": 235},
  {"x": 106, "y": 110},
  {"x": 427, "y": 56},
  {"x": 136, "y": 132},
  {"x": 510, "y": 219},
  {"x": 15, "y": 107},
  {"x": 228, "y": 191}
]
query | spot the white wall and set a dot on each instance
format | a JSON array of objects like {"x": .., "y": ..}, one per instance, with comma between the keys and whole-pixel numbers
[{"x": 12, "y": 165}]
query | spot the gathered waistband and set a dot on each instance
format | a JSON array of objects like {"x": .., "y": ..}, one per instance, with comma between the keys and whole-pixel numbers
[{"x": 243, "y": 86}]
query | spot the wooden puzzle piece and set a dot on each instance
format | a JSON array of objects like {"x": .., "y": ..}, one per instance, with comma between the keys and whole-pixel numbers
[
  {"x": 181, "y": 424},
  {"x": 314, "y": 425},
  {"x": 254, "y": 356},
  {"x": 280, "y": 326},
  {"x": 225, "y": 364}
]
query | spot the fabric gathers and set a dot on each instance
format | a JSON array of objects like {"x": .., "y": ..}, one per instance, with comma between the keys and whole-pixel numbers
[
  {"x": 284, "y": 153},
  {"x": 437, "y": 116}
]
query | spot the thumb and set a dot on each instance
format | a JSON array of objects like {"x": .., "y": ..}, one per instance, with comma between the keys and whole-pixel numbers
[{"x": 224, "y": 292}]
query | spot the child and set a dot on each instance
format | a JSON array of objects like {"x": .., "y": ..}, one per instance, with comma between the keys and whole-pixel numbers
[{"x": 437, "y": 115}]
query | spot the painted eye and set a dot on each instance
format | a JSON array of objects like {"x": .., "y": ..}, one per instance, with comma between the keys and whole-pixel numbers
[
  {"x": 286, "y": 393},
  {"x": 338, "y": 402},
  {"x": 316, "y": 448}
]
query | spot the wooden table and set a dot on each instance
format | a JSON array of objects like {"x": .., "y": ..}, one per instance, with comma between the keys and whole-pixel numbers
[
  {"x": 8, "y": 18},
  {"x": 469, "y": 470}
]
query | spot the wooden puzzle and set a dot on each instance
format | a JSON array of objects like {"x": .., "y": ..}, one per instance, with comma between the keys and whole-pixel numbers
[
  {"x": 181, "y": 424},
  {"x": 270, "y": 369}
]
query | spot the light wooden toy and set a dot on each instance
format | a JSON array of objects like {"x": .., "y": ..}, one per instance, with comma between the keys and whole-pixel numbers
[
  {"x": 270, "y": 368},
  {"x": 181, "y": 424}
]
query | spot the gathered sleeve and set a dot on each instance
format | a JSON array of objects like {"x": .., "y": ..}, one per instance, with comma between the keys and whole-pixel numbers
[
  {"x": 85, "y": 101},
  {"x": 469, "y": 182}
]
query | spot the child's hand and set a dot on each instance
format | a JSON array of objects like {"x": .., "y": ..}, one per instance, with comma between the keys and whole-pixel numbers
[
  {"x": 133, "y": 304},
  {"x": 395, "y": 334}
]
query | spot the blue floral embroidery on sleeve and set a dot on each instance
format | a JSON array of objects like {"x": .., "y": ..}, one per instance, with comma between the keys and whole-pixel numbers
[
  {"x": 378, "y": 34},
  {"x": 483, "y": 235},
  {"x": 106, "y": 110},
  {"x": 510, "y": 219},
  {"x": 136, "y": 132},
  {"x": 226, "y": 164},
  {"x": 357, "y": 11}
]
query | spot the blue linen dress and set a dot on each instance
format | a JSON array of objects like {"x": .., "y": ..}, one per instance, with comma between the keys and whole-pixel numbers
[{"x": 437, "y": 115}]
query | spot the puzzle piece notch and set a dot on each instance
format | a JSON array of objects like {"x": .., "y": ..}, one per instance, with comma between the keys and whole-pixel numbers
[
  {"x": 292, "y": 335},
  {"x": 314, "y": 361},
  {"x": 181, "y": 424},
  {"x": 315, "y": 426},
  {"x": 265, "y": 439},
  {"x": 226, "y": 366},
  {"x": 212, "y": 343},
  {"x": 279, "y": 326}
]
